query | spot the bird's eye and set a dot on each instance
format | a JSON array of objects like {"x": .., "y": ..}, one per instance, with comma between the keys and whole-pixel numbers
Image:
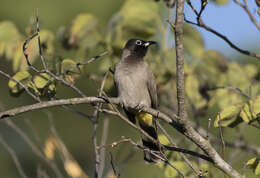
[{"x": 138, "y": 42}]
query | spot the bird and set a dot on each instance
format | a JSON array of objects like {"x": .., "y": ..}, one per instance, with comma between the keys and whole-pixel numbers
[{"x": 136, "y": 89}]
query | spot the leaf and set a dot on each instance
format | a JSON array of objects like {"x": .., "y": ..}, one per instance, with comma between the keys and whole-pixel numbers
[
  {"x": 192, "y": 41},
  {"x": 70, "y": 70},
  {"x": 73, "y": 169},
  {"x": 135, "y": 19},
  {"x": 23, "y": 77},
  {"x": 10, "y": 39},
  {"x": 163, "y": 139},
  {"x": 228, "y": 117},
  {"x": 254, "y": 164},
  {"x": 83, "y": 26},
  {"x": 221, "y": 2},
  {"x": 45, "y": 84},
  {"x": 215, "y": 59},
  {"x": 32, "y": 49},
  {"x": 181, "y": 165},
  {"x": 192, "y": 90},
  {"x": 251, "y": 110}
]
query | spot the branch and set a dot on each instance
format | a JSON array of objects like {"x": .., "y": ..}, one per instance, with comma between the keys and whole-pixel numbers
[
  {"x": 245, "y": 7},
  {"x": 201, "y": 24},
  {"x": 187, "y": 128}
]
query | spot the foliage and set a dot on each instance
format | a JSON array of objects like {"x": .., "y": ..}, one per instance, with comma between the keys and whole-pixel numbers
[{"x": 208, "y": 72}]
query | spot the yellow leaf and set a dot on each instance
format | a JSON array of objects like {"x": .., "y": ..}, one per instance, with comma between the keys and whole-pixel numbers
[
  {"x": 251, "y": 110},
  {"x": 163, "y": 139},
  {"x": 221, "y": 2},
  {"x": 82, "y": 26},
  {"x": 73, "y": 168},
  {"x": 22, "y": 77},
  {"x": 49, "y": 148},
  {"x": 228, "y": 117}
]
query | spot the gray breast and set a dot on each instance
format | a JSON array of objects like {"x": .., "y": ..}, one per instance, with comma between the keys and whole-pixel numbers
[{"x": 131, "y": 82}]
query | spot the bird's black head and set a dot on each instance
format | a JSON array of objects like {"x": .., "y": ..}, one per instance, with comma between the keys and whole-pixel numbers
[{"x": 138, "y": 47}]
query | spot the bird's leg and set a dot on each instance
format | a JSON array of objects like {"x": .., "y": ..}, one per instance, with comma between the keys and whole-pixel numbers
[{"x": 139, "y": 107}]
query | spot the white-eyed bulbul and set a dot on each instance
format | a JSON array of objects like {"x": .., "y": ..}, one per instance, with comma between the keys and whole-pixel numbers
[{"x": 136, "y": 88}]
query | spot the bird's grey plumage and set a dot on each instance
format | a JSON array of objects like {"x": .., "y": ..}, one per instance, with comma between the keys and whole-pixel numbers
[{"x": 136, "y": 87}]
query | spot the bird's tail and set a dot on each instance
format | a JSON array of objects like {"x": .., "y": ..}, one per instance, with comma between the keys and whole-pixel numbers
[{"x": 146, "y": 123}]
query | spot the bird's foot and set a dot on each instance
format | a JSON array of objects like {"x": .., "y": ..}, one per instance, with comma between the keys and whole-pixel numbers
[{"x": 139, "y": 108}]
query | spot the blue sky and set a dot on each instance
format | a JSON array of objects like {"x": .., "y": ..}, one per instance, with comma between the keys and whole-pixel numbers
[{"x": 233, "y": 22}]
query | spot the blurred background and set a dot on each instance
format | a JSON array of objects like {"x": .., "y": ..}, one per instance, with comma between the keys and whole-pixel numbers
[{"x": 78, "y": 30}]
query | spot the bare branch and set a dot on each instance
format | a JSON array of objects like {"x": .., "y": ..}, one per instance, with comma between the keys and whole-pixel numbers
[
  {"x": 103, "y": 142},
  {"x": 251, "y": 16},
  {"x": 201, "y": 24},
  {"x": 113, "y": 165},
  {"x": 21, "y": 84}
]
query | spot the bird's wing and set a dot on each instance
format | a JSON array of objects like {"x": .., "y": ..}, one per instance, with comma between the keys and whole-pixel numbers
[{"x": 151, "y": 84}]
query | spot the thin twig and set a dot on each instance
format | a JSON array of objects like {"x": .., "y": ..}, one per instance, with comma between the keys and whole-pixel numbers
[
  {"x": 103, "y": 142},
  {"x": 174, "y": 144},
  {"x": 14, "y": 157},
  {"x": 201, "y": 24},
  {"x": 246, "y": 8},
  {"x": 21, "y": 84},
  {"x": 39, "y": 40},
  {"x": 95, "y": 125},
  {"x": 222, "y": 142},
  {"x": 236, "y": 90},
  {"x": 113, "y": 166},
  {"x": 209, "y": 124}
]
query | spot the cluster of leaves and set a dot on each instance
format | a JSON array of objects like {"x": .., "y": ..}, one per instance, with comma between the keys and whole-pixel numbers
[{"x": 208, "y": 72}]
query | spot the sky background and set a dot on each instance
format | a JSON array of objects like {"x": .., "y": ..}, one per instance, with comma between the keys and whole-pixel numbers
[{"x": 232, "y": 21}]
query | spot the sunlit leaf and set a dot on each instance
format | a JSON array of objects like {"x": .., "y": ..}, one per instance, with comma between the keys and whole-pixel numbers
[
  {"x": 254, "y": 164},
  {"x": 137, "y": 19},
  {"x": 50, "y": 147},
  {"x": 251, "y": 110},
  {"x": 228, "y": 117},
  {"x": 10, "y": 39},
  {"x": 163, "y": 139},
  {"x": 70, "y": 70},
  {"x": 181, "y": 165},
  {"x": 23, "y": 77},
  {"x": 73, "y": 169},
  {"x": 221, "y": 2},
  {"x": 192, "y": 90},
  {"x": 83, "y": 26},
  {"x": 45, "y": 84}
]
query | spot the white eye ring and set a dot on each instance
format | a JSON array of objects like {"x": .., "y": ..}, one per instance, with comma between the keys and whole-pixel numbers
[{"x": 138, "y": 42}]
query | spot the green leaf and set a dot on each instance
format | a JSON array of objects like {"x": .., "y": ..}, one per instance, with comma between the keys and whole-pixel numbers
[
  {"x": 192, "y": 90},
  {"x": 23, "y": 77},
  {"x": 135, "y": 19},
  {"x": 254, "y": 164},
  {"x": 215, "y": 59},
  {"x": 228, "y": 117},
  {"x": 192, "y": 41},
  {"x": 44, "y": 81},
  {"x": 10, "y": 39},
  {"x": 163, "y": 139},
  {"x": 251, "y": 110},
  {"x": 181, "y": 165},
  {"x": 70, "y": 70},
  {"x": 221, "y": 2},
  {"x": 83, "y": 26}
]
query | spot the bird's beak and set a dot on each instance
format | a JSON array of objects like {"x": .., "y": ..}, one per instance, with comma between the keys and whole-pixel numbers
[{"x": 148, "y": 43}]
